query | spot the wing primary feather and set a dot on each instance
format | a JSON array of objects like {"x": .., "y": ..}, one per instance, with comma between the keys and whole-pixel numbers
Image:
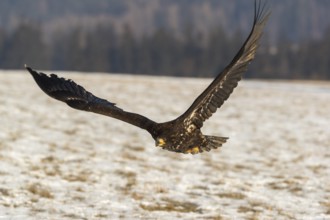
[
  {"x": 66, "y": 90},
  {"x": 77, "y": 97},
  {"x": 223, "y": 85}
]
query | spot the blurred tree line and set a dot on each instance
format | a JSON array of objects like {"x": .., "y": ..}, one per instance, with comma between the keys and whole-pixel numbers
[{"x": 160, "y": 53}]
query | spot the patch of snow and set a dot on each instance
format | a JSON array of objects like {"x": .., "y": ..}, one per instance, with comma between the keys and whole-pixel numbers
[{"x": 60, "y": 163}]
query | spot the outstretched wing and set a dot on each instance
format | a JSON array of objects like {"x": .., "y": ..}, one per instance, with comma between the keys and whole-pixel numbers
[
  {"x": 219, "y": 90},
  {"x": 77, "y": 97}
]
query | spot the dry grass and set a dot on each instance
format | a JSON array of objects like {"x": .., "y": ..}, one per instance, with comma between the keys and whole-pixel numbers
[
  {"x": 232, "y": 195},
  {"x": 40, "y": 190},
  {"x": 81, "y": 176},
  {"x": 170, "y": 205},
  {"x": 5, "y": 192},
  {"x": 131, "y": 182},
  {"x": 292, "y": 185},
  {"x": 326, "y": 205}
]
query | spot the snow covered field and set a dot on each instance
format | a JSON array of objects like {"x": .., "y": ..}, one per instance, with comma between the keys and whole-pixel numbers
[{"x": 59, "y": 163}]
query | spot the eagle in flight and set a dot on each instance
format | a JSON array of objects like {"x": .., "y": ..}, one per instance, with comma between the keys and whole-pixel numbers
[{"x": 183, "y": 134}]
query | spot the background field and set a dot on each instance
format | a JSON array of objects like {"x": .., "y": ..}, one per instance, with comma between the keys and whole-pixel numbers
[{"x": 59, "y": 163}]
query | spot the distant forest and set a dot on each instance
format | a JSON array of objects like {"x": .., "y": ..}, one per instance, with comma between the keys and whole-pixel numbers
[
  {"x": 160, "y": 53},
  {"x": 164, "y": 37}
]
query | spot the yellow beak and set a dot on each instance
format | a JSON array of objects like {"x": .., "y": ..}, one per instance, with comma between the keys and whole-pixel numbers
[{"x": 160, "y": 142}]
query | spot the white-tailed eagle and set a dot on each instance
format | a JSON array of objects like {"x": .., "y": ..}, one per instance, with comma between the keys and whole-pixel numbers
[{"x": 182, "y": 134}]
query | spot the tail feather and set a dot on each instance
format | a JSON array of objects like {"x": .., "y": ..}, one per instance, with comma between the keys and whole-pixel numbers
[{"x": 214, "y": 142}]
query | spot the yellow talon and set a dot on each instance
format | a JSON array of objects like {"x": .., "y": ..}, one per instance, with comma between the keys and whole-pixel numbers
[{"x": 193, "y": 150}]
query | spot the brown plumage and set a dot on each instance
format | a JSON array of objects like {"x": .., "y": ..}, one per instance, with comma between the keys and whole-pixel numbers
[{"x": 182, "y": 134}]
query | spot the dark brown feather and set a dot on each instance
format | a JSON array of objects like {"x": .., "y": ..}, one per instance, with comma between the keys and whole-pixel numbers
[
  {"x": 223, "y": 85},
  {"x": 77, "y": 97}
]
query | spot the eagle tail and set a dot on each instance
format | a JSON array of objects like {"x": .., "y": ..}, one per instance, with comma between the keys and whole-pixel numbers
[{"x": 214, "y": 142}]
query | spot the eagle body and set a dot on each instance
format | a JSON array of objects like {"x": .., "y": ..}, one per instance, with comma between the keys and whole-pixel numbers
[
  {"x": 183, "y": 134},
  {"x": 178, "y": 137}
]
